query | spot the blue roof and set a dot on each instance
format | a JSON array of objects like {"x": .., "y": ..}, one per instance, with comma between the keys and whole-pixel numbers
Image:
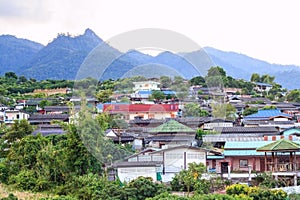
[
  {"x": 266, "y": 114},
  {"x": 148, "y": 92},
  {"x": 246, "y": 148},
  {"x": 215, "y": 157},
  {"x": 263, "y": 84},
  {"x": 169, "y": 92}
]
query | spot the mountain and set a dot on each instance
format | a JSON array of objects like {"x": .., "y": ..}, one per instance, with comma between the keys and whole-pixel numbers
[
  {"x": 62, "y": 58},
  {"x": 70, "y": 57},
  {"x": 242, "y": 66},
  {"x": 15, "y": 53}
]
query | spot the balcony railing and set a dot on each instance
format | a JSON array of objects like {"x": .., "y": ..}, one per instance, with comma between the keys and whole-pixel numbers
[{"x": 283, "y": 167}]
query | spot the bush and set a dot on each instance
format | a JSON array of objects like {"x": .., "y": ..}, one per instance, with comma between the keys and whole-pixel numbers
[
  {"x": 25, "y": 180},
  {"x": 256, "y": 193},
  {"x": 4, "y": 173}
]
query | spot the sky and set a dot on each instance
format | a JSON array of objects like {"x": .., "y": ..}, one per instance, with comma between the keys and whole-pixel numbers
[{"x": 263, "y": 29}]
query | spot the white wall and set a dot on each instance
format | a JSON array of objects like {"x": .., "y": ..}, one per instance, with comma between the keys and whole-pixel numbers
[{"x": 130, "y": 173}]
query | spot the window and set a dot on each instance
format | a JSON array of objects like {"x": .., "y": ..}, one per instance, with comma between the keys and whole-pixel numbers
[{"x": 243, "y": 163}]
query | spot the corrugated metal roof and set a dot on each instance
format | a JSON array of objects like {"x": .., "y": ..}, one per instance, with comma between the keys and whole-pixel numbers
[
  {"x": 243, "y": 153},
  {"x": 266, "y": 114},
  {"x": 280, "y": 145},
  {"x": 172, "y": 126}
]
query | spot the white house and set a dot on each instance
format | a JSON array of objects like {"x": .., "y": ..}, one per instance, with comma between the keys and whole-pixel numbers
[
  {"x": 162, "y": 164},
  {"x": 11, "y": 115},
  {"x": 146, "y": 85}
]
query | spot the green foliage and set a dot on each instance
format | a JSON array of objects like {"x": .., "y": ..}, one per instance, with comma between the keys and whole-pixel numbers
[
  {"x": 293, "y": 96},
  {"x": 198, "y": 80},
  {"x": 250, "y": 111},
  {"x": 194, "y": 110},
  {"x": 167, "y": 196},
  {"x": 263, "y": 79},
  {"x": 200, "y": 132},
  {"x": 18, "y": 130},
  {"x": 157, "y": 95},
  {"x": 190, "y": 179},
  {"x": 10, "y": 197},
  {"x": 104, "y": 95},
  {"x": 142, "y": 188},
  {"x": 165, "y": 82},
  {"x": 256, "y": 193},
  {"x": 227, "y": 111},
  {"x": 269, "y": 107}
]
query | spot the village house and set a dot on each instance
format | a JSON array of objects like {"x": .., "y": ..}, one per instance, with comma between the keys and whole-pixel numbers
[
  {"x": 239, "y": 156},
  {"x": 37, "y": 119},
  {"x": 119, "y": 136},
  {"x": 161, "y": 165},
  {"x": 9, "y": 116},
  {"x": 146, "y": 86},
  {"x": 145, "y": 111},
  {"x": 262, "y": 87},
  {"x": 272, "y": 116},
  {"x": 170, "y": 134},
  {"x": 48, "y": 129}
]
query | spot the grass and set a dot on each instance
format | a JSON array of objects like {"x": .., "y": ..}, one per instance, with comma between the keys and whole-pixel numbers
[{"x": 21, "y": 195}]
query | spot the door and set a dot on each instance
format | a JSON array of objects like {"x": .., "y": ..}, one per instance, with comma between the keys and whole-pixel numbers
[{"x": 224, "y": 167}]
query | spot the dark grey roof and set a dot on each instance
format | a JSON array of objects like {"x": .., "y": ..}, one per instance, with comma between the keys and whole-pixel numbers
[
  {"x": 59, "y": 108},
  {"x": 137, "y": 164},
  {"x": 48, "y": 116},
  {"x": 170, "y": 138},
  {"x": 241, "y": 129}
]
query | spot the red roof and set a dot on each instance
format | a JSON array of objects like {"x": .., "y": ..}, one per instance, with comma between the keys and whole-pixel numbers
[{"x": 117, "y": 108}]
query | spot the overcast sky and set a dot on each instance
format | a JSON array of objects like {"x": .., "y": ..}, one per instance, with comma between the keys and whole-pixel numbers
[{"x": 264, "y": 29}]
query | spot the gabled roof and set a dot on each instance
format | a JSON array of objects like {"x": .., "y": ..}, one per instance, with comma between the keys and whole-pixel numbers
[
  {"x": 180, "y": 147},
  {"x": 280, "y": 146},
  {"x": 250, "y": 130},
  {"x": 172, "y": 126},
  {"x": 267, "y": 114}
]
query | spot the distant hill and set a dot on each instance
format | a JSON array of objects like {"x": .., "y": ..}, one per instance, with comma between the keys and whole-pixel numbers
[
  {"x": 15, "y": 53},
  {"x": 242, "y": 66},
  {"x": 62, "y": 58}
]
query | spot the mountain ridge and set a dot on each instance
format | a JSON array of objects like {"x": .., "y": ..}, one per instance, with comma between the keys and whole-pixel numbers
[{"x": 63, "y": 57}]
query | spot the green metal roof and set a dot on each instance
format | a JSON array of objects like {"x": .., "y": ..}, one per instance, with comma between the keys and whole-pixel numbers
[
  {"x": 172, "y": 126},
  {"x": 279, "y": 145}
]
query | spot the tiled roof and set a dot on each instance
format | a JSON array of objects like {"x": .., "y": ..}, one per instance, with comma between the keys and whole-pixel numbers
[
  {"x": 172, "y": 126},
  {"x": 242, "y": 129},
  {"x": 279, "y": 145},
  {"x": 170, "y": 138},
  {"x": 266, "y": 114},
  {"x": 59, "y": 108},
  {"x": 137, "y": 164},
  {"x": 121, "y": 108}
]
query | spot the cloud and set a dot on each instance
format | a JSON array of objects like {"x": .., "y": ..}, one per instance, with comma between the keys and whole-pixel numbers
[{"x": 33, "y": 10}]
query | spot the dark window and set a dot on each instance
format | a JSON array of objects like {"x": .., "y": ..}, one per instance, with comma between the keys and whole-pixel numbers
[{"x": 243, "y": 163}]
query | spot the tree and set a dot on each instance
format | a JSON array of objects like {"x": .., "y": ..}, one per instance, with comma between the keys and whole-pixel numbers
[
  {"x": 165, "y": 81},
  {"x": 216, "y": 71},
  {"x": 187, "y": 179},
  {"x": 293, "y": 96},
  {"x": 157, "y": 95},
  {"x": 198, "y": 80},
  {"x": 18, "y": 130},
  {"x": 250, "y": 111},
  {"x": 194, "y": 110},
  {"x": 227, "y": 111},
  {"x": 104, "y": 96},
  {"x": 269, "y": 107},
  {"x": 255, "y": 78},
  {"x": 10, "y": 75}
]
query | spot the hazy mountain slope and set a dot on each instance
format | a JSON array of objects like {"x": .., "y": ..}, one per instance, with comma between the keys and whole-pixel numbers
[
  {"x": 62, "y": 58},
  {"x": 242, "y": 66},
  {"x": 15, "y": 53}
]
